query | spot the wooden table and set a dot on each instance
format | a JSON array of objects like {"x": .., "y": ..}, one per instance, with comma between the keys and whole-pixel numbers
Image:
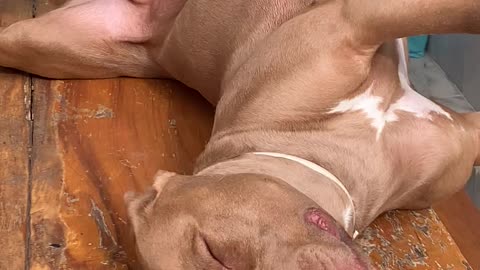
[{"x": 70, "y": 149}]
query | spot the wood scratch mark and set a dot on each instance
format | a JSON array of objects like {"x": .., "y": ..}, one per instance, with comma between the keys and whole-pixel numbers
[
  {"x": 69, "y": 112},
  {"x": 128, "y": 164},
  {"x": 106, "y": 238}
]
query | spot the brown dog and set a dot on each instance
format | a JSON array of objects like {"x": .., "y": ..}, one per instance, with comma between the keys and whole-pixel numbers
[{"x": 317, "y": 129}]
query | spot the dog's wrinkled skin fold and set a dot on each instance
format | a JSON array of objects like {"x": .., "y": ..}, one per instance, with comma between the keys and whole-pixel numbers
[{"x": 321, "y": 80}]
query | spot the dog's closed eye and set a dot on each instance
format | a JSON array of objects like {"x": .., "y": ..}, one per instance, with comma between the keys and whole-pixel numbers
[
  {"x": 209, "y": 249},
  {"x": 205, "y": 248}
]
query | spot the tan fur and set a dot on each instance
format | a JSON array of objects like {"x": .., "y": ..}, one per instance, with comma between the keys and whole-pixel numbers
[{"x": 273, "y": 68}]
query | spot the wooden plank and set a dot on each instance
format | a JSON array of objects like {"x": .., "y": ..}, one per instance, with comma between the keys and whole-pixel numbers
[
  {"x": 96, "y": 140},
  {"x": 14, "y": 149},
  {"x": 462, "y": 220}
]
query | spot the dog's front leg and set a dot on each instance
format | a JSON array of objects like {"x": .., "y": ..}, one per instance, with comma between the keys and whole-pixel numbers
[
  {"x": 377, "y": 21},
  {"x": 94, "y": 39}
]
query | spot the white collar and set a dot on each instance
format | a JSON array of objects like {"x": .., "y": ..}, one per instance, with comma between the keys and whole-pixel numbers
[{"x": 349, "y": 212}]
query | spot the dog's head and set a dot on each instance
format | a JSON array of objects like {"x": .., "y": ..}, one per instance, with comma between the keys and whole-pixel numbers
[{"x": 241, "y": 221}]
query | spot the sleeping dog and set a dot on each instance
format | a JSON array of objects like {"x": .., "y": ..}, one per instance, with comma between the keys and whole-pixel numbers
[{"x": 317, "y": 128}]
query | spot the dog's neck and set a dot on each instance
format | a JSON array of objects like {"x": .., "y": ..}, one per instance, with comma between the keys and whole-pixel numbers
[{"x": 318, "y": 185}]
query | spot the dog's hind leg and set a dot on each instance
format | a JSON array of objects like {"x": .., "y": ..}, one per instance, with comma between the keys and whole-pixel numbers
[{"x": 86, "y": 39}]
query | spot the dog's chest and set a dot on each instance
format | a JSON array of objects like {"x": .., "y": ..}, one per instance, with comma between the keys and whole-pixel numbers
[{"x": 372, "y": 107}]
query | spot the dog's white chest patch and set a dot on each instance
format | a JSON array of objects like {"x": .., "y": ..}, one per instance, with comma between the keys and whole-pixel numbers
[
  {"x": 410, "y": 102},
  {"x": 368, "y": 104}
]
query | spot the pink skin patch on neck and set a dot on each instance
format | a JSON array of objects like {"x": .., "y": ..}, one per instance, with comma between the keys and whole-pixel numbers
[{"x": 322, "y": 221}]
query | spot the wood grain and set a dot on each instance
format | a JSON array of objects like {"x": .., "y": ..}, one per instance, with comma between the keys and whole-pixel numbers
[
  {"x": 14, "y": 150},
  {"x": 96, "y": 140}
]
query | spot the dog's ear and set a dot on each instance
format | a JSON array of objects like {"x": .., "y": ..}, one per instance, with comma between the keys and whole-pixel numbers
[
  {"x": 377, "y": 21},
  {"x": 138, "y": 205},
  {"x": 161, "y": 178}
]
